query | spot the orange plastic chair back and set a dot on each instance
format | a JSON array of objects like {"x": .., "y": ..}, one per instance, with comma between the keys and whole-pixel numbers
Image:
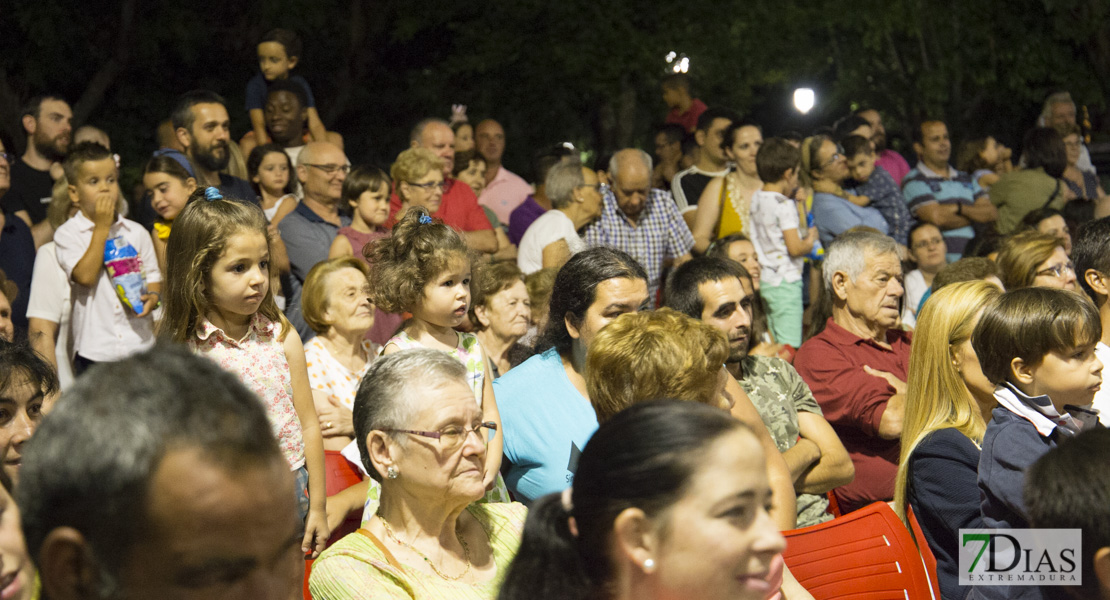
[{"x": 867, "y": 554}]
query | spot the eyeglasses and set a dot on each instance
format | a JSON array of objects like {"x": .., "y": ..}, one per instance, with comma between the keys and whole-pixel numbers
[
  {"x": 451, "y": 438},
  {"x": 332, "y": 169},
  {"x": 431, "y": 185},
  {"x": 839, "y": 155},
  {"x": 1059, "y": 271},
  {"x": 928, "y": 243}
]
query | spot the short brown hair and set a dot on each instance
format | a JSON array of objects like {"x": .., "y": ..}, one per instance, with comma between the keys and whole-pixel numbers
[
  {"x": 1021, "y": 254},
  {"x": 653, "y": 355},
  {"x": 417, "y": 251},
  {"x": 361, "y": 180},
  {"x": 489, "y": 280},
  {"x": 775, "y": 157},
  {"x": 1029, "y": 323},
  {"x": 971, "y": 268},
  {"x": 315, "y": 297}
]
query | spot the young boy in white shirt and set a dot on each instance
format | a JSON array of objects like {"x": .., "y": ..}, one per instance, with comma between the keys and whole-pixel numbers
[
  {"x": 775, "y": 233},
  {"x": 104, "y": 329}
]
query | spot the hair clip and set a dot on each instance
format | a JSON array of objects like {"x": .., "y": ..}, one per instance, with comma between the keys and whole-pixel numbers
[
  {"x": 211, "y": 193},
  {"x": 425, "y": 220}
]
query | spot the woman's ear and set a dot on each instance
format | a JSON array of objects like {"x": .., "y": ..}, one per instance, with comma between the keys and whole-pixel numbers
[
  {"x": 482, "y": 314},
  {"x": 383, "y": 452},
  {"x": 635, "y": 539}
]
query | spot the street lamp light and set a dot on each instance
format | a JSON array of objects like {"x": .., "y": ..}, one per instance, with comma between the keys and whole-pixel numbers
[{"x": 804, "y": 99}]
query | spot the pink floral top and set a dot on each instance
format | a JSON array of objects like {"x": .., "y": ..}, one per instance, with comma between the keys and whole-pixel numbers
[
  {"x": 329, "y": 376},
  {"x": 259, "y": 361}
]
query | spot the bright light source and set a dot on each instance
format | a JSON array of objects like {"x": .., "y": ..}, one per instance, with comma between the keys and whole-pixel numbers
[
  {"x": 671, "y": 56},
  {"x": 804, "y": 99},
  {"x": 682, "y": 66}
]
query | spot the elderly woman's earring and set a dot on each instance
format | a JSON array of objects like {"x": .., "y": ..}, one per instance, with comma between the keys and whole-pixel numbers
[
  {"x": 649, "y": 564},
  {"x": 391, "y": 473}
]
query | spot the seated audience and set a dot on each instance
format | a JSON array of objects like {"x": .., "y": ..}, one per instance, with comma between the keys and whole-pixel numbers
[
  {"x": 539, "y": 286},
  {"x": 553, "y": 238},
  {"x": 856, "y": 367},
  {"x": 668, "y": 155},
  {"x": 679, "y": 97},
  {"x": 871, "y": 181},
  {"x": 500, "y": 311},
  {"x": 272, "y": 176},
  {"x": 738, "y": 248},
  {"x": 1059, "y": 110},
  {"x": 28, "y": 388},
  {"x": 20, "y": 579},
  {"x": 938, "y": 193},
  {"x": 1038, "y": 346},
  {"x": 1092, "y": 268},
  {"x": 537, "y": 203},
  {"x": 1031, "y": 259},
  {"x": 639, "y": 220},
  {"x": 503, "y": 190},
  {"x": 725, "y": 204},
  {"x": 927, "y": 250},
  {"x": 825, "y": 170},
  {"x": 948, "y": 404},
  {"x": 1067, "y": 488},
  {"x": 169, "y": 185},
  {"x": 713, "y": 290},
  {"x": 888, "y": 159},
  {"x": 653, "y": 468},
  {"x": 655, "y": 354},
  {"x": 712, "y": 161},
  {"x": 1049, "y": 221},
  {"x": 470, "y": 168},
  {"x": 216, "y": 489},
  {"x": 985, "y": 159},
  {"x": 464, "y": 131},
  {"x": 1038, "y": 185},
  {"x": 1083, "y": 186},
  {"x": 972, "y": 268},
  {"x": 424, "y": 440}
]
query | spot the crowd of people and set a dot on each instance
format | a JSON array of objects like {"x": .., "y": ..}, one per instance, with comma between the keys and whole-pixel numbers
[{"x": 624, "y": 379}]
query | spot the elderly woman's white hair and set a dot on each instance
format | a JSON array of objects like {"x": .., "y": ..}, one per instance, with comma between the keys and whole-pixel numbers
[
  {"x": 561, "y": 182},
  {"x": 847, "y": 253},
  {"x": 392, "y": 389}
]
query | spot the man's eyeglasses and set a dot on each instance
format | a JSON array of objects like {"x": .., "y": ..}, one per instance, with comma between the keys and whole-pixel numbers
[
  {"x": 451, "y": 438},
  {"x": 332, "y": 169},
  {"x": 431, "y": 185},
  {"x": 1059, "y": 271}
]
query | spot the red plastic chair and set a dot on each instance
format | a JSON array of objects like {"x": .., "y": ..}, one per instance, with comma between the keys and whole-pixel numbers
[{"x": 867, "y": 554}]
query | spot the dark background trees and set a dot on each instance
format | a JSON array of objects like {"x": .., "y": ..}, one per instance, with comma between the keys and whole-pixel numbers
[{"x": 575, "y": 70}]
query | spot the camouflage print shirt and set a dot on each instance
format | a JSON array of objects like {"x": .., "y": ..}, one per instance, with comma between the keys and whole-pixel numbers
[{"x": 778, "y": 393}]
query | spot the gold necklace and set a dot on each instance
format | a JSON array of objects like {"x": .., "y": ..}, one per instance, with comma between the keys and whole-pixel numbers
[{"x": 466, "y": 551}]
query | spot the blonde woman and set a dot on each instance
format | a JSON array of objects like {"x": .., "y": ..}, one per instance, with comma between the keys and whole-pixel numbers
[{"x": 948, "y": 402}]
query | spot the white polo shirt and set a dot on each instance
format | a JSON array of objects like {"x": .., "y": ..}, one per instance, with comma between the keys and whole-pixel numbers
[{"x": 103, "y": 328}]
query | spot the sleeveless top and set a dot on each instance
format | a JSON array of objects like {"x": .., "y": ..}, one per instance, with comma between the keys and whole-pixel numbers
[
  {"x": 359, "y": 239},
  {"x": 270, "y": 212},
  {"x": 735, "y": 211},
  {"x": 468, "y": 352}
]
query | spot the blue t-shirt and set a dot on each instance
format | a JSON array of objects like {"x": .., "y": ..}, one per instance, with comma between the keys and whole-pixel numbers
[
  {"x": 257, "y": 88},
  {"x": 546, "y": 422},
  {"x": 923, "y": 186},
  {"x": 834, "y": 215}
]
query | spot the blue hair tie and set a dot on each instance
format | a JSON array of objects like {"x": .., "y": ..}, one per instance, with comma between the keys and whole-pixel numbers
[
  {"x": 212, "y": 193},
  {"x": 425, "y": 220}
]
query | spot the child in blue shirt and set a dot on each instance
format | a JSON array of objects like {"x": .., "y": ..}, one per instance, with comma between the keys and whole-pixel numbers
[
  {"x": 873, "y": 182},
  {"x": 1038, "y": 346}
]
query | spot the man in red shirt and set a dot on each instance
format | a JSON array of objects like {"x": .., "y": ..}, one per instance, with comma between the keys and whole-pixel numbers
[
  {"x": 459, "y": 207},
  {"x": 685, "y": 109},
  {"x": 856, "y": 367}
]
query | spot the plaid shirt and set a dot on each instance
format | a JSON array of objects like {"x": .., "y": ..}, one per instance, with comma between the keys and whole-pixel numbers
[{"x": 660, "y": 234}]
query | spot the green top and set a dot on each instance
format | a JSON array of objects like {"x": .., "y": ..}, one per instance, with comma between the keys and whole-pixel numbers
[
  {"x": 1021, "y": 192},
  {"x": 778, "y": 393}
]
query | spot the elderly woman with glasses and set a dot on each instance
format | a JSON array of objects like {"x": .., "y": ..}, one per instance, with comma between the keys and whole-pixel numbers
[
  {"x": 1035, "y": 259},
  {"x": 418, "y": 174},
  {"x": 824, "y": 169},
  {"x": 421, "y": 436}
]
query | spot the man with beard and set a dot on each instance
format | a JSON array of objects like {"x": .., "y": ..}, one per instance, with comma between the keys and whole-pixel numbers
[
  {"x": 718, "y": 292},
  {"x": 888, "y": 159},
  {"x": 47, "y": 123},
  {"x": 203, "y": 127}
]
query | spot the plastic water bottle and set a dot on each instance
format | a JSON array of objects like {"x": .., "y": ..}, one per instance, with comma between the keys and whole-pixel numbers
[
  {"x": 126, "y": 269},
  {"x": 818, "y": 251}
]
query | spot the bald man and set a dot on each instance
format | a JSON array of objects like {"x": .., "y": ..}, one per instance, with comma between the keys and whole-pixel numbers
[
  {"x": 459, "y": 207},
  {"x": 308, "y": 231},
  {"x": 641, "y": 221}
]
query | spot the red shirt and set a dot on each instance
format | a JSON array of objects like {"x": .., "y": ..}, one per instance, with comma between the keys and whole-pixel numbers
[
  {"x": 853, "y": 402},
  {"x": 458, "y": 209},
  {"x": 688, "y": 119}
]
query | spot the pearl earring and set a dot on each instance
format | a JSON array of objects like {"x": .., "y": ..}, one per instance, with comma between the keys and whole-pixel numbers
[{"x": 649, "y": 564}]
